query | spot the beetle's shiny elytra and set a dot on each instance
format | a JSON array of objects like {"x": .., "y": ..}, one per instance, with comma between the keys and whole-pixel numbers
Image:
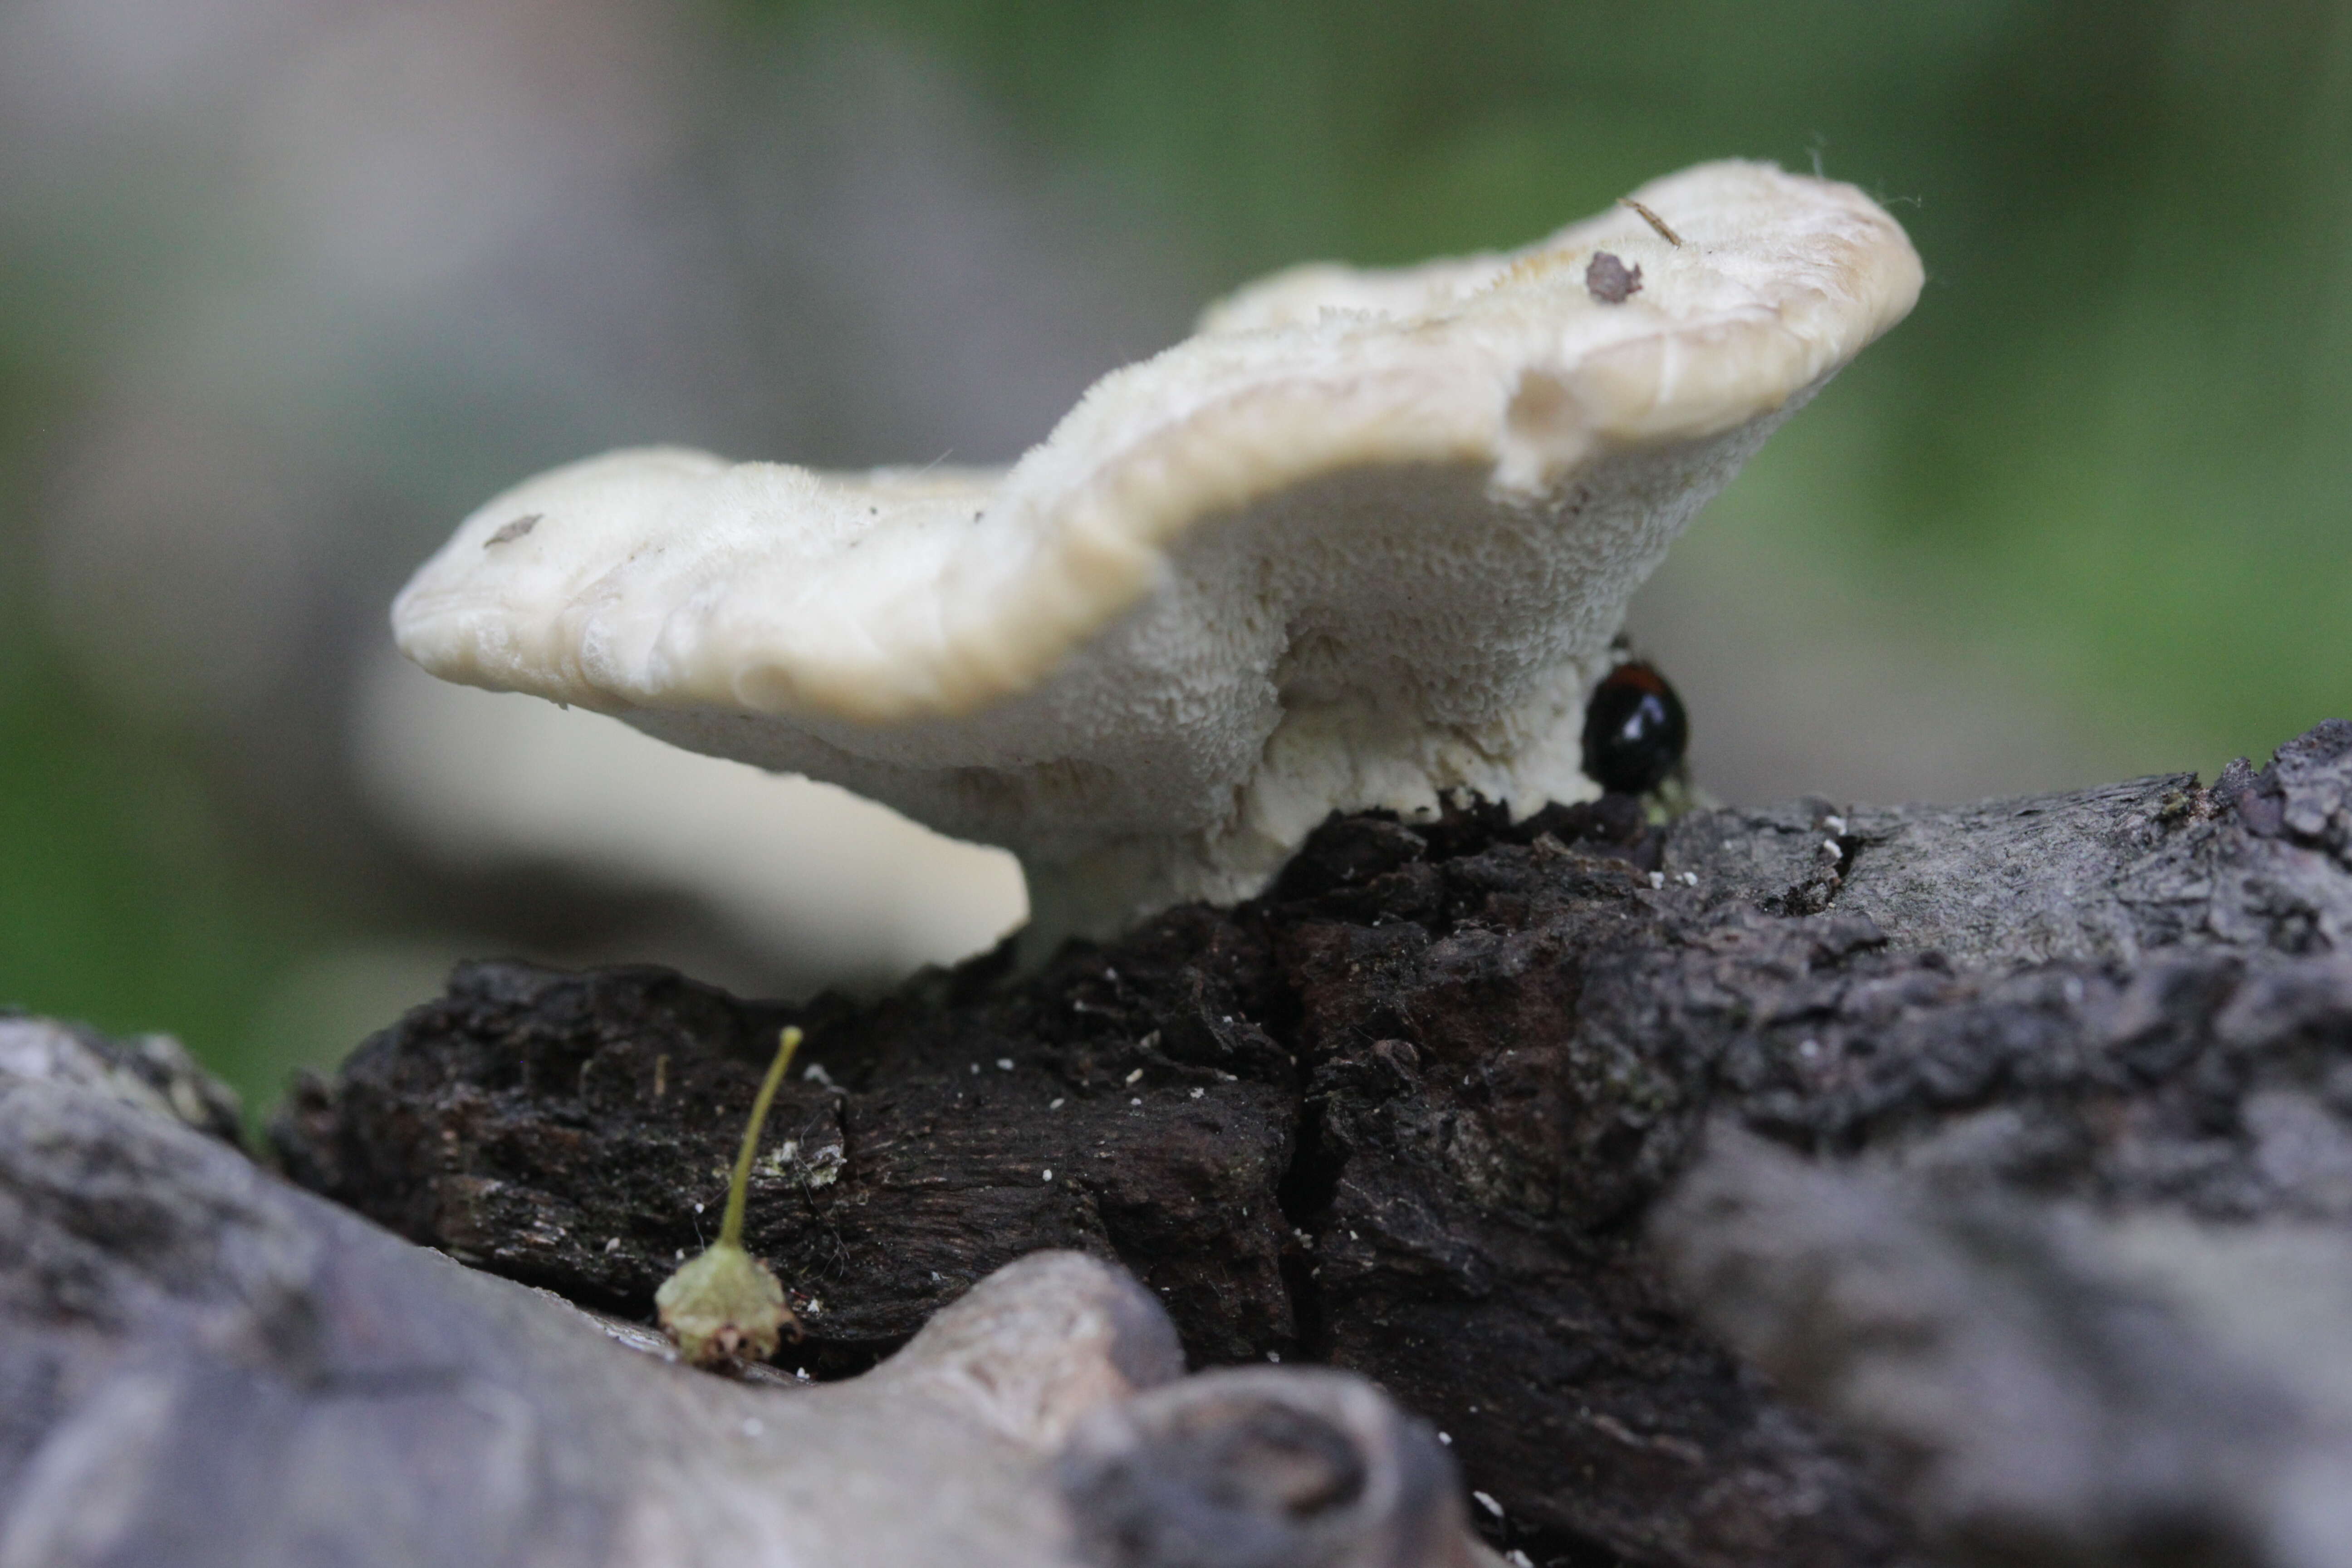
[{"x": 1635, "y": 730}]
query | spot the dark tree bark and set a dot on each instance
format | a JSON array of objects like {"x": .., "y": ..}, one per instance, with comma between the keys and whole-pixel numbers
[{"x": 1414, "y": 1112}]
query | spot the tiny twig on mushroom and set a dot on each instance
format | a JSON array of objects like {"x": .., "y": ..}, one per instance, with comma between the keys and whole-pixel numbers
[
  {"x": 1653, "y": 220},
  {"x": 725, "y": 1301}
]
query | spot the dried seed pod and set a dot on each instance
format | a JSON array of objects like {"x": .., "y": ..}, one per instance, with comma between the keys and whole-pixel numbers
[{"x": 724, "y": 1305}]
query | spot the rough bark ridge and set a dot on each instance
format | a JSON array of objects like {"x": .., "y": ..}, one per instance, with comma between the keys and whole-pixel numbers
[{"x": 1412, "y": 1113}]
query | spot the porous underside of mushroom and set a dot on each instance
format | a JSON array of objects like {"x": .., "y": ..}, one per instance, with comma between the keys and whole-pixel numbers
[{"x": 1362, "y": 540}]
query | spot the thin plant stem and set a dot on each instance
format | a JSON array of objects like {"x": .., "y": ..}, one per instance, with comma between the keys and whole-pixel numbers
[{"x": 731, "y": 1229}]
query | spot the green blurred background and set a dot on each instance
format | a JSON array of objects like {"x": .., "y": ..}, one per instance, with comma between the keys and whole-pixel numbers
[{"x": 286, "y": 286}]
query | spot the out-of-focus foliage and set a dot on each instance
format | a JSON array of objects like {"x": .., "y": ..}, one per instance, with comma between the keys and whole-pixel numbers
[
  {"x": 120, "y": 900},
  {"x": 2084, "y": 513}
]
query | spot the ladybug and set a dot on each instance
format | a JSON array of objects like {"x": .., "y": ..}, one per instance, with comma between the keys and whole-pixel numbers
[{"x": 1635, "y": 730}]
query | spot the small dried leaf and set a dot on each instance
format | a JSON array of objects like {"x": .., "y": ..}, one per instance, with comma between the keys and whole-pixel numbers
[
  {"x": 512, "y": 530},
  {"x": 1610, "y": 280}
]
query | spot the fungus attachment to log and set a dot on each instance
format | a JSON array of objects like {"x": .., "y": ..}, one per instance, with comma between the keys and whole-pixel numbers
[{"x": 1360, "y": 543}]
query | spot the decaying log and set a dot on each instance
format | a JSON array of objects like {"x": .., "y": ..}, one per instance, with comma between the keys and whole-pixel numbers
[
  {"x": 201, "y": 1365},
  {"x": 1412, "y": 1112}
]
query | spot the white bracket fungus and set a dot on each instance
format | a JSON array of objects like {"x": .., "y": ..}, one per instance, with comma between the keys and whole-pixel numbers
[{"x": 1363, "y": 539}]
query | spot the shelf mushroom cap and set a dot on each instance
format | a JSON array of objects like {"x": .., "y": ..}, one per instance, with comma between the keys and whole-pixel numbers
[{"x": 1363, "y": 539}]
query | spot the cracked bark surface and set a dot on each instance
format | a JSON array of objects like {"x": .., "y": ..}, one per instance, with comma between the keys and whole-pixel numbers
[{"x": 1437, "y": 1110}]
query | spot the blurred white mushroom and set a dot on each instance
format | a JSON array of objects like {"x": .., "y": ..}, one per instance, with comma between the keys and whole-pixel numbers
[
  {"x": 1363, "y": 539},
  {"x": 832, "y": 887}
]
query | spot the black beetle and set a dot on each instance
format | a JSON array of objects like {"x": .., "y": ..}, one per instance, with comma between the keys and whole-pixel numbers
[{"x": 1635, "y": 730}]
